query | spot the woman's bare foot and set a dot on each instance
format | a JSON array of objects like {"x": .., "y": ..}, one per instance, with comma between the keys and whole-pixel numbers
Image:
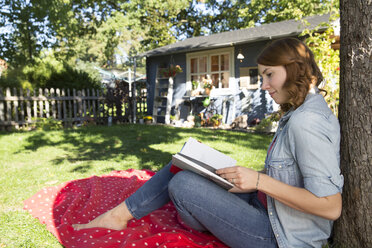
[{"x": 116, "y": 219}]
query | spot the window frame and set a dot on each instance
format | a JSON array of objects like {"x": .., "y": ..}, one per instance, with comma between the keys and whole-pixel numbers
[
  {"x": 209, "y": 53},
  {"x": 250, "y": 86}
]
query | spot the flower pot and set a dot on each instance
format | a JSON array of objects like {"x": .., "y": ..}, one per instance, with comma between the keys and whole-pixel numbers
[{"x": 207, "y": 91}]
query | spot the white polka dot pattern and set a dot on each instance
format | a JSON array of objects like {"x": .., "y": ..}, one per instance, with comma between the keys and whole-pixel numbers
[{"x": 80, "y": 201}]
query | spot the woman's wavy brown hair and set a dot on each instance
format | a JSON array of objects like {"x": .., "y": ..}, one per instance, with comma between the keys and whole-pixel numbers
[{"x": 299, "y": 63}]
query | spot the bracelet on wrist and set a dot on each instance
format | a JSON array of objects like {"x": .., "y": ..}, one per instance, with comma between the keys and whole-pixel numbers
[{"x": 258, "y": 180}]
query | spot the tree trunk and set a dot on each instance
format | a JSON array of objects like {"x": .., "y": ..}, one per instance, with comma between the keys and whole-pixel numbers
[{"x": 354, "y": 228}]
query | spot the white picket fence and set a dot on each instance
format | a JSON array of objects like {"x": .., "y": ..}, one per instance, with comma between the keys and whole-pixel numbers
[{"x": 18, "y": 108}]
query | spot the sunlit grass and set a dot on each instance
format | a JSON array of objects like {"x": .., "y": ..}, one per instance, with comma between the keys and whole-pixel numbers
[{"x": 31, "y": 161}]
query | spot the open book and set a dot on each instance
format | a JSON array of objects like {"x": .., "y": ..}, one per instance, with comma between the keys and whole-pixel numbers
[{"x": 203, "y": 160}]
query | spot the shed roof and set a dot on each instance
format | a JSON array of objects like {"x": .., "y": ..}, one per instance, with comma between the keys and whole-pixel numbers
[{"x": 247, "y": 35}]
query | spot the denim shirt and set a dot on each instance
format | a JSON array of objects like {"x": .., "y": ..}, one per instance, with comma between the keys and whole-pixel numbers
[{"x": 305, "y": 154}]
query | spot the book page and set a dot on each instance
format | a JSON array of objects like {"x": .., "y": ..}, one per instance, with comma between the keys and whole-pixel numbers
[
  {"x": 199, "y": 151},
  {"x": 186, "y": 164}
]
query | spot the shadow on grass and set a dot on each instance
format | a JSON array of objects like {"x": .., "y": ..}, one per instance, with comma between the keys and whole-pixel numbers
[
  {"x": 82, "y": 168},
  {"x": 123, "y": 142}
]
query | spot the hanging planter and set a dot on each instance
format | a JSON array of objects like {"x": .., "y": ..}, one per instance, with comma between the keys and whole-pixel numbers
[{"x": 171, "y": 71}]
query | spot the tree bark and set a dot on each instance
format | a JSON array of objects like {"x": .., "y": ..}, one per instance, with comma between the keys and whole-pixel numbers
[{"x": 354, "y": 228}]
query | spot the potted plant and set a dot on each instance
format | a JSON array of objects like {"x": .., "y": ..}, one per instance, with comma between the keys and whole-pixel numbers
[
  {"x": 195, "y": 84},
  {"x": 207, "y": 85},
  {"x": 216, "y": 120},
  {"x": 173, "y": 119},
  {"x": 195, "y": 88},
  {"x": 140, "y": 117}
]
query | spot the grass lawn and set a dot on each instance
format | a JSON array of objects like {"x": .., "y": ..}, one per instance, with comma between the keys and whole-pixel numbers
[{"x": 30, "y": 161}]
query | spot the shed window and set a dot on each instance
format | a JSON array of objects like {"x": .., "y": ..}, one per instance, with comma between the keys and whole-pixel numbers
[
  {"x": 249, "y": 77},
  {"x": 218, "y": 64},
  {"x": 220, "y": 70},
  {"x": 198, "y": 68}
]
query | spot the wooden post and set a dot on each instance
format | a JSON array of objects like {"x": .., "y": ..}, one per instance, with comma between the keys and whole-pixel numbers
[
  {"x": 58, "y": 97},
  {"x": 2, "y": 113},
  {"x": 103, "y": 110},
  {"x": 64, "y": 105},
  {"x": 84, "y": 104},
  {"x": 88, "y": 100},
  {"x": 169, "y": 100},
  {"x": 94, "y": 103},
  {"x": 41, "y": 104},
  {"x": 15, "y": 106},
  {"x": 80, "y": 105},
  {"x": 53, "y": 102},
  {"x": 28, "y": 106},
  {"x": 47, "y": 103},
  {"x": 35, "y": 105},
  {"x": 75, "y": 104},
  {"x": 69, "y": 104},
  {"x": 21, "y": 103},
  {"x": 8, "y": 106},
  {"x": 99, "y": 105}
]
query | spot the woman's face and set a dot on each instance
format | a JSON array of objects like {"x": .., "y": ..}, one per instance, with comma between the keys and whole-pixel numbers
[{"x": 273, "y": 79}]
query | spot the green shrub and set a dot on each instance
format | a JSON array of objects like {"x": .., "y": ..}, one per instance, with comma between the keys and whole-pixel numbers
[
  {"x": 12, "y": 78},
  {"x": 269, "y": 124},
  {"x": 46, "y": 124},
  {"x": 48, "y": 72},
  {"x": 70, "y": 78}
]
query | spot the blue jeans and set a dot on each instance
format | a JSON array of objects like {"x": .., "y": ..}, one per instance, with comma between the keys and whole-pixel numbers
[{"x": 238, "y": 220}]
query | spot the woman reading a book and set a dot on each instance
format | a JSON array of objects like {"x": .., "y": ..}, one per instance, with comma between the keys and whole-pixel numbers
[{"x": 294, "y": 202}]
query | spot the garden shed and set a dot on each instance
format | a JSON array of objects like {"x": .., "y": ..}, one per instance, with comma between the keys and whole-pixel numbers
[{"x": 176, "y": 74}]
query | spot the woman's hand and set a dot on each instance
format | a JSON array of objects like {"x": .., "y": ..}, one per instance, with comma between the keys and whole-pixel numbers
[{"x": 243, "y": 178}]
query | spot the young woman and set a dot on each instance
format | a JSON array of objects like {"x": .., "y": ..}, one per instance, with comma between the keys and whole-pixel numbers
[{"x": 292, "y": 204}]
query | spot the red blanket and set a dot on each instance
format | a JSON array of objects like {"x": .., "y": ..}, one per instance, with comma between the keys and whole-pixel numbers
[{"x": 80, "y": 201}]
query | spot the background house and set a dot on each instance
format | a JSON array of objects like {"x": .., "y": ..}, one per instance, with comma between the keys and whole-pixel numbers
[
  {"x": 228, "y": 58},
  {"x": 109, "y": 76}
]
